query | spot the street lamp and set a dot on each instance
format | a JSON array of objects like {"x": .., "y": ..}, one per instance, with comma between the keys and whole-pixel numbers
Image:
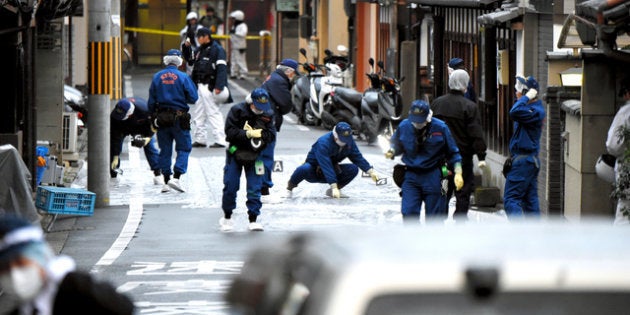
[{"x": 571, "y": 77}]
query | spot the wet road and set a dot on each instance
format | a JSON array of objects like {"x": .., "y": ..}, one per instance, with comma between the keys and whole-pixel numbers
[{"x": 165, "y": 249}]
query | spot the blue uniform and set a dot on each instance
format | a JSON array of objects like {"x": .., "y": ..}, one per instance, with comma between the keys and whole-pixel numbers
[
  {"x": 172, "y": 90},
  {"x": 323, "y": 163},
  {"x": 139, "y": 123},
  {"x": 278, "y": 86},
  {"x": 237, "y": 137},
  {"x": 521, "y": 188},
  {"x": 424, "y": 162}
]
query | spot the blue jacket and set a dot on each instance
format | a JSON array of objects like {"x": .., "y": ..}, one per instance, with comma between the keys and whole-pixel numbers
[
  {"x": 528, "y": 121},
  {"x": 139, "y": 123},
  {"x": 171, "y": 88},
  {"x": 210, "y": 65},
  {"x": 278, "y": 86},
  {"x": 326, "y": 154},
  {"x": 438, "y": 147}
]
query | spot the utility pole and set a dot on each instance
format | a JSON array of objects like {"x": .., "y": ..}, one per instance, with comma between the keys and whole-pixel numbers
[{"x": 100, "y": 87}]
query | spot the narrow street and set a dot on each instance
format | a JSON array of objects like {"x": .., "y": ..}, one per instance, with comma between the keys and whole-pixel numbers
[{"x": 165, "y": 249}]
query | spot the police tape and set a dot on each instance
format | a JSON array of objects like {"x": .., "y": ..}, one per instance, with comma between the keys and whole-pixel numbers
[{"x": 172, "y": 33}]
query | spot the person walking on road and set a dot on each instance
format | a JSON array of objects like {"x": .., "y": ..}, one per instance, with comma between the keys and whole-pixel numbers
[
  {"x": 211, "y": 21},
  {"x": 169, "y": 95},
  {"x": 33, "y": 280},
  {"x": 617, "y": 145},
  {"x": 188, "y": 38},
  {"x": 521, "y": 182},
  {"x": 323, "y": 162},
  {"x": 238, "y": 43},
  {"x": 210, "y": 76},
  {"x": 249, "y": 128},
  {"x": 131, "y": 117},
  {"x": 458, "y": 64},
  {"x": 278, "y": 85},
  {"x": 427, "y": 148},
  {"x": 462, "y": 118}
]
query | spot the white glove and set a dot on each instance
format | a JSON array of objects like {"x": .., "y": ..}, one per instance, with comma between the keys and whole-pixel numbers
[
  {"x": 458, "y": 179},
  {"x": 247, "y": 126},
  {"x": 390, "y": 154},
  {"x": 531, "y": 94},
  {"x": 254, "y": 133},
  {"x": 482, "y": 164},
  {"x": 373, "y": 174},
  {"x": 336, "y": 193},
  {"x": 114, "y": 164}
]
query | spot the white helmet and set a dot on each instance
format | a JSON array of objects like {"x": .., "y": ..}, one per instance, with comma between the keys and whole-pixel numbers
[
  {"x": 237, "y": 15},
  {"x": 605, "y": 168},
  {"x": 191, "y": 15}
]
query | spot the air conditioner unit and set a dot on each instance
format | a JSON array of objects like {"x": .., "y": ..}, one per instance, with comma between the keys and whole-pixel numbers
[{"x": 69, "y": 142}]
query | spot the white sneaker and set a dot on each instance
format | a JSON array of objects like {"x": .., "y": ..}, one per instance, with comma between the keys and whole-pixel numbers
[
  {"x": 269, "y": 199},
  {"x": 114, "y": 181},
  {"x": 288, "y": 194},
  {"x": 165, "y": 188},
  {"x": 255, "y": 227},
  {"x": 174, "y": 183},
  {"x": 226, "y": 225},
  {"x": 158, "y": 180}
]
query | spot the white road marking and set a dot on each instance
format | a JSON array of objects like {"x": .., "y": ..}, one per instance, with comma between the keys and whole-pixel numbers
[
  {"x": 133, "y": 218},
  {"x": 240, "y": 89},
  {"x": 128, "y": 87},
  {"x": 203, "y": 267}
]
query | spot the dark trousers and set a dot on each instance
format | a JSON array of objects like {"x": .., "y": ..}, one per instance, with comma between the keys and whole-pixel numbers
[{"x": 463, "y": 195}]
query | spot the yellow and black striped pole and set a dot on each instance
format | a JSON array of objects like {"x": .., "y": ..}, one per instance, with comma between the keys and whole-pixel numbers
[
  {"x": 100, "y": 88},
  {"x": 116, "y": 77},
  {"x": 100, "y": 58}
]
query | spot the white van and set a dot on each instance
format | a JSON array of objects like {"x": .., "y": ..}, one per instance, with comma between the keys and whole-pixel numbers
[{"x": 527, "y": 268}]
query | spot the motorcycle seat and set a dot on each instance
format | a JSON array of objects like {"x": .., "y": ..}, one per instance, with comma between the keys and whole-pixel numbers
[{"x": 351, "y": 95}]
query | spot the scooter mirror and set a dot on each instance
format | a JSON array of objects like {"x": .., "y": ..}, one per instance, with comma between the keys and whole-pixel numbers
[
  {"x": 303, "y": 52},
  {"x": 328, "y": 52},
  {"x": 381, "y": 64},
  {"x": 371, "y": 61}
]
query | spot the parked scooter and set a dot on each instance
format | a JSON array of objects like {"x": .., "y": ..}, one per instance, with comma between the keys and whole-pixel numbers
[
  {"x": 301, "y": 92},
  {"x": 382, "y": 104},
  {"x": 338, "y": 66}
]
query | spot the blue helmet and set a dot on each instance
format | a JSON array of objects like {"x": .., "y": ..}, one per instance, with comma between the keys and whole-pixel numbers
[
  {"x": 529, "y": 82},
  {"x": 343, "y": 132},
  {"x": 174, "y": 52},
  {"x": 419, "y": 112},
  {"x": 260, "y": 98}
]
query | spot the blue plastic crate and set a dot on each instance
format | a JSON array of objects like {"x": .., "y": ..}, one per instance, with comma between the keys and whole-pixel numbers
[{"x": 63, "y": 200}]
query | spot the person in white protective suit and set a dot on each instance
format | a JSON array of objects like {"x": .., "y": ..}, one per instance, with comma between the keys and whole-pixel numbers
[
  {"x": 238, "y": 42},
  {"x": 617, "y": 147}
]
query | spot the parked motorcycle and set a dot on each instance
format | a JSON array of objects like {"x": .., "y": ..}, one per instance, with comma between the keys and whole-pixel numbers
[
  {"x": 382, "y": 104},
  {"x": 339, "y": 66},
  {"x": 301, "y": 91}
]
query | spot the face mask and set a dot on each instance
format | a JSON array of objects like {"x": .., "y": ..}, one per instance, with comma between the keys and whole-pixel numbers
[
  {"x": 24, "y": 282},
  {"x": 256, "y": 110},
  {"x": 339, "y": 142},
  {"x": 419, "y": 125}
]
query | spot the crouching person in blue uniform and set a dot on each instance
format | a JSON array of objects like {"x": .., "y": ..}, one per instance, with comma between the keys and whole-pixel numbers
[
  {"x": 426, "y": 144},
  {"x": 323, "y": 162},
  {"x": 170, "y": 93},
  {"x": 521, "y": 182},
  {"x": 249, "y": 127},
  {"x": 131, "y": 117}
]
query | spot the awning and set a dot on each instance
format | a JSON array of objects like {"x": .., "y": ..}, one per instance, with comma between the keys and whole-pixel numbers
[
  {"x": 500, "y": 17},
  {"x": 455, "y": 3}
]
